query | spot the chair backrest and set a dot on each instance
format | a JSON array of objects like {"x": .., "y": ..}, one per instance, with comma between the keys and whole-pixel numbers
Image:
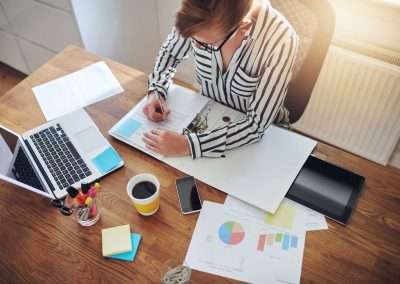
[{"x": 314, "y": 22}]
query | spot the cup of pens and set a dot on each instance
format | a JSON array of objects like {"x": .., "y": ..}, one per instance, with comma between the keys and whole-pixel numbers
[{"x": 83, "y": 203}]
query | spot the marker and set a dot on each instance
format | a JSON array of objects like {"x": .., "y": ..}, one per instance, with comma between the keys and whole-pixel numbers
[
  {"x": 85, "y": 187},
  {"x": 71, "y": 199},
  {"x": 81, "y": 198},
  {"x": 88, "y": 201},
  {"x": 97, "y": 186},
  {"x": 92, "y": 192}
]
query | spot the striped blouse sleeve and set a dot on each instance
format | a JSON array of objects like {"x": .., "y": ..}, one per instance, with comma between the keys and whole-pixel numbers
[
  {"x": 262, "y": 110},
  {"x": 173, "y": 51}
]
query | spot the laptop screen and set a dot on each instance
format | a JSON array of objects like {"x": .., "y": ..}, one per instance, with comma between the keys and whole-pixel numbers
[
  {"x": 15, "y": 166},
  {"x": 8, "y": 145}
]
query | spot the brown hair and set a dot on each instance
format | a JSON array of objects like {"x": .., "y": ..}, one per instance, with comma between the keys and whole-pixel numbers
[{"x": 196, "y": 15}]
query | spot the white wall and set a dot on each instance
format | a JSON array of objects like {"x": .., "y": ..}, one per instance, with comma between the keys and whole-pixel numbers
[{"x": 125, "y": 30}]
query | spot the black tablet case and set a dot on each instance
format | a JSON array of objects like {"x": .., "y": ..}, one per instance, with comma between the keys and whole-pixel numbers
[{"x": 326, "y": 188}]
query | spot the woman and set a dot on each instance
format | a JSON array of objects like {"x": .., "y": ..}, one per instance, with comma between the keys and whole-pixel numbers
[{"x": 244, "y": 55}]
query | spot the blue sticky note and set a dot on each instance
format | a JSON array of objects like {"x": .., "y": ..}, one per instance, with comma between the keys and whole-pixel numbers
[
  {"x": 107, "y": 160},
  {"x": 130, "y": 255},
  {"x": 127, "y": 127}
]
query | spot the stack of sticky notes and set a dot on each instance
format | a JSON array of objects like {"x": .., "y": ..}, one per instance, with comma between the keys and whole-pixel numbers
[{"x": 119, "y": 243}]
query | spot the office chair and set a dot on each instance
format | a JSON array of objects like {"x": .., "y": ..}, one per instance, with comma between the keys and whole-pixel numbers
[{"x": 314, "y": 22}]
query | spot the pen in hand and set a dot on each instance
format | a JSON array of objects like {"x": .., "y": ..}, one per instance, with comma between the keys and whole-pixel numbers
[{"x": 159, "y": 109}]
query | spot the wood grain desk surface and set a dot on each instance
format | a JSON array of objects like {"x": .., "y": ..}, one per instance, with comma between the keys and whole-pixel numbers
[{"x": 39, "y": 245}]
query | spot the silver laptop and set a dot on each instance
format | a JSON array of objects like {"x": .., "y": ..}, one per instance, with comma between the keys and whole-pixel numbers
[{"x": 60, "y": 153}]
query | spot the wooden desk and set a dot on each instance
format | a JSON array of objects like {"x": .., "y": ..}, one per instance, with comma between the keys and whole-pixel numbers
[{"x": 39, "y": 245}]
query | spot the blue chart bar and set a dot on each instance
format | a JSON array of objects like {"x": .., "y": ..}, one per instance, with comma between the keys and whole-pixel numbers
[
  {"x": 285, "y": 243},
  {"x": 293, "y": 242}
]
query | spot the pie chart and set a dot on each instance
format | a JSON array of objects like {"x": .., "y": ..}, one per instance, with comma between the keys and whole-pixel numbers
[{"x": 231, "y": 233}]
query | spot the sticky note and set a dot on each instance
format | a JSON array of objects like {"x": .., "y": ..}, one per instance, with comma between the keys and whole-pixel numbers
[
  {"x": 116, "y": 240},
  {"x": 107, "y": 160},
  {"x": 127, "y": 127},
  {"x": 130, "y": 255},
  {"x": 283, "y": 217}
]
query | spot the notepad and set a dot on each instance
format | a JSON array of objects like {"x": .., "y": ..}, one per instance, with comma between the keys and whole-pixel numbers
[
  {"x": 107, "y": 160},
  {"x": 130, "y": 255},
  {"x": 116, "y": 240}
]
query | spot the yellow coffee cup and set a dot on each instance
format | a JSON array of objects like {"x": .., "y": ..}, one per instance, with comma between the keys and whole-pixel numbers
[{"x": 144, "y": 190}]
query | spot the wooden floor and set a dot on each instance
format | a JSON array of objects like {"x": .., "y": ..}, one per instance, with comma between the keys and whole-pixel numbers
[
  {"x": 378, "y": 214},
  {"x": 8, "y": 78}
]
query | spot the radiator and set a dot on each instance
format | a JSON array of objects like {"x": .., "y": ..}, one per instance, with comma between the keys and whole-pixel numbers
[{"x": 355, "y": 105}]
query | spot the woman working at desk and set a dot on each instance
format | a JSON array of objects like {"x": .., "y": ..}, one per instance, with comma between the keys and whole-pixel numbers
[{"x": 244, "y": 55}]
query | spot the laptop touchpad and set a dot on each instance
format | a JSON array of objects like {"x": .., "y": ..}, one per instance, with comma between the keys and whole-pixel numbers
[{"x": 89, "y": 140}]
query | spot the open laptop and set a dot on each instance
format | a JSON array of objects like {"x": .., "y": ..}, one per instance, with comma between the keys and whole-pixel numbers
[{"x": 63, "y": 152}]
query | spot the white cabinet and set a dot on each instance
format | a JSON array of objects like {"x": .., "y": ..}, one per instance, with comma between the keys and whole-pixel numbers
[
  {"x": 62, "y": 4},
  {"x": 41, "y": 24},
  {"x": 3, "y": 19},
  {"x": 10, "y": 53},
  {"x": 37, "y": 30},
  {"x": 35, "y": 55}
]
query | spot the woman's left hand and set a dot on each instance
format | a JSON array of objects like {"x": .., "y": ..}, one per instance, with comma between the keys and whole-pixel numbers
[{"x": 166, "y": 142}]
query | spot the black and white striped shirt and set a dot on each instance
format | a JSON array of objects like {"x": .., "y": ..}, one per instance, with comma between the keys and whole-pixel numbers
[{"x": 255, "y": 81}]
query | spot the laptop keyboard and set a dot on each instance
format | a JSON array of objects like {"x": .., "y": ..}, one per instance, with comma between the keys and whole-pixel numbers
[
  {"x": 23, "y": 171},
  {"x": 61, "y": 158}
]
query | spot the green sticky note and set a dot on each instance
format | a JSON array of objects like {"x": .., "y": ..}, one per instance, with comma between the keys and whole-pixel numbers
[{"x": 107, "y": 160}]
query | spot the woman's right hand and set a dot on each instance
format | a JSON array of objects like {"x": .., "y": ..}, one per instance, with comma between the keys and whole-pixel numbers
[{"x": 156, "y": 109}]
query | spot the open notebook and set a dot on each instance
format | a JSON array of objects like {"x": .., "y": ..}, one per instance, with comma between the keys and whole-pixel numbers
[{"x": 259, "y": 174}]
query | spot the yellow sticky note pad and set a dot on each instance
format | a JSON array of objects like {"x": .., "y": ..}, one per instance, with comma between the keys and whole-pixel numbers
[
  {"x": 283, "y": 217},
  {"x": 116, "y": 240}
]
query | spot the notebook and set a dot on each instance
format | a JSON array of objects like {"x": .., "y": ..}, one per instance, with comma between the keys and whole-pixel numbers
[{"x": 116, "y": 240}]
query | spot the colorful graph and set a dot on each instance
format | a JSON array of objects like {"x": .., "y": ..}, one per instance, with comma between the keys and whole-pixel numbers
[
  {"x": 285, "y": 241},
  {"x": 231, "y": 233}
]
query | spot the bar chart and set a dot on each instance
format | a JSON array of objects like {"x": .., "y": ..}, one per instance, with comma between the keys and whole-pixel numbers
[{"x": 283, "y": 241}]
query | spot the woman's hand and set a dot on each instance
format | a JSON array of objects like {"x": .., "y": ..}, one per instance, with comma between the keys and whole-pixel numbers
[
  {"x": 166, "y": 142},
  {"x": 156, "y": 109}
]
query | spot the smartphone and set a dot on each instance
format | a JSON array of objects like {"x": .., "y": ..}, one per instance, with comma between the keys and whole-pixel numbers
[{"x": 189, "y": 198}]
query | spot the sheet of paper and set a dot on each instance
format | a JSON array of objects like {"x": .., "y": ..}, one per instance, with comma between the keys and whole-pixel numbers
[
  {"x": 76, "y": 90},
  {"x": 260, "y": 173},
  {"x": 290, "y": 215},
  {"x": 184, "y": 106},
  {"x": 227, "y": 243}
]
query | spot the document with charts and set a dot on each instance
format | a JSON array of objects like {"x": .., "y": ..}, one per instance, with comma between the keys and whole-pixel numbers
[
  {"x": 227, "y": 243},
  {"x": 184, "y": 105}
]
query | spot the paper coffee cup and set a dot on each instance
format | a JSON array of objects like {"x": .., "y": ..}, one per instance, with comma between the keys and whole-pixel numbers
[{"x": 146, "y": 202}]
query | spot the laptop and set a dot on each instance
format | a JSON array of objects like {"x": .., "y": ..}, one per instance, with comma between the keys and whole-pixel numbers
[{"x": 64, "y": 152}]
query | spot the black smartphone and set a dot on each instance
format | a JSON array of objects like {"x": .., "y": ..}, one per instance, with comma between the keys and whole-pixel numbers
[{"x": 189, "y": 198}]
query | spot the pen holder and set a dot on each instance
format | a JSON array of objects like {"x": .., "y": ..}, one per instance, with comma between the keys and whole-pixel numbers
[{"x": 89, "y": 214}]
